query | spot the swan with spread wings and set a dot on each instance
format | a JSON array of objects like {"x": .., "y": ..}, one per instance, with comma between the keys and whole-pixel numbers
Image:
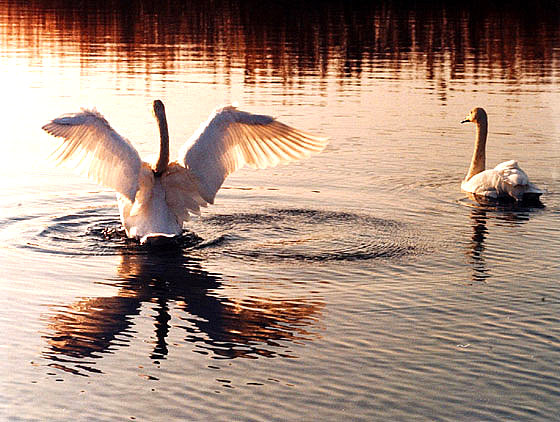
[{"x": 155, "y": 200}]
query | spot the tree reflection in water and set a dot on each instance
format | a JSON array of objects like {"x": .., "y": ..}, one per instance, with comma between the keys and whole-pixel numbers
[{"x": 442, "y": 40}]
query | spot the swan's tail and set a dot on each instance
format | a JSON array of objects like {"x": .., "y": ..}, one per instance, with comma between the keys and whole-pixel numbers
[{"x": 531, "y": 195}]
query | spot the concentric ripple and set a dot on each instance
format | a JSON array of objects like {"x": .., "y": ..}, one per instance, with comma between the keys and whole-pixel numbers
[
  {"x": 90, "y": 231},
  {"x": 272, "y": 234},
  {"x": 311, "y": 235}
]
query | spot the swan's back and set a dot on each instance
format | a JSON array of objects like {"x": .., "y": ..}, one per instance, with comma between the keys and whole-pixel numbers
[{"x": 506, "y": 180}]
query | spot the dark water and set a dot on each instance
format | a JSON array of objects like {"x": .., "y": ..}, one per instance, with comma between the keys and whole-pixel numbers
[{"x": 359, "y": 284}]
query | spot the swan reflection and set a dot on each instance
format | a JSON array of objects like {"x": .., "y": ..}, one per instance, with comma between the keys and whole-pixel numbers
[
  {"x": 180, "y": 295},
  {"x": 479, "y": 269},
  {"x": 479, "y": 222}
]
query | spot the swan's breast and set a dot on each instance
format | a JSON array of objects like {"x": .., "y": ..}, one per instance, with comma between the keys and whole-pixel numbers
[{"x": 486, "y": 183}]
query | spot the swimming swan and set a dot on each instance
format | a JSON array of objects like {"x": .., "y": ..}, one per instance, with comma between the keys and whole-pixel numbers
[
  {"x": 154, "y": 201},
  {"x": 506, "y": 181}
]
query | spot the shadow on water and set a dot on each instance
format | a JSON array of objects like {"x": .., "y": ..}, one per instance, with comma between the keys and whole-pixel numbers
[{"x": 171, "y": 283}]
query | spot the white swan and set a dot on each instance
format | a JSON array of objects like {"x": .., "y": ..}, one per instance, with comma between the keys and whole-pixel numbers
[
  {"x": 155, "y": 201},
  {"x": 506, "y": 181}
]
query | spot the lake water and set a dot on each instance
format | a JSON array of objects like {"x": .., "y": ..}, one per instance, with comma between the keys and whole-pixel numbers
[{"x": 359, "y": 284}]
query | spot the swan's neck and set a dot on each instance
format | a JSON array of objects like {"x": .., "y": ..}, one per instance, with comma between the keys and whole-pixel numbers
[
  {"x": 163, "y": 159},
  {"x": 478, "y": 162}
]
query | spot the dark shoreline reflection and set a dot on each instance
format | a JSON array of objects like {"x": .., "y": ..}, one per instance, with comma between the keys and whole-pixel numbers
[
  {"x": 289, "y": 40},
  {"x": 222, "y": 327}
]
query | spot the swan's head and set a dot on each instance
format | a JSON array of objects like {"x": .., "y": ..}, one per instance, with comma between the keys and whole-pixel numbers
[
  {"x": 159, "y": 109},
  {"x": 477, "y": 115}
]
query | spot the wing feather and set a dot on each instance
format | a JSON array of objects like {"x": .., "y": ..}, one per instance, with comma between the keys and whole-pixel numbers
[
  {"x": 97, "y": 150},
  {"x": 283, "y": 151},
  {"x": 272, "y": 157},
  {"x": 232, "y": 138},
  {"x": 181, "y": 192}
]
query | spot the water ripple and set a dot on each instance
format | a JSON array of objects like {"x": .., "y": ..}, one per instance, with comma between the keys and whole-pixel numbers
[
  {"x": 312, "y": 235},
  {"x": 299, "y": 235}
]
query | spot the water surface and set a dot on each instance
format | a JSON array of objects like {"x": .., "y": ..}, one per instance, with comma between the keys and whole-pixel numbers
[{"x": 357, "y": 284}]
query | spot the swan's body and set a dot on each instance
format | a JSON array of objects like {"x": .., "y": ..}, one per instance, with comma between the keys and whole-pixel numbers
[
  {"x": 154, "y": 201},
  {"x": 506, "y": 181}
]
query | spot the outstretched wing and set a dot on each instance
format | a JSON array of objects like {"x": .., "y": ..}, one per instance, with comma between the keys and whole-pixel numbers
[
  {"x": 232, "y": 138},
  {"x": 91, "y": 143}
]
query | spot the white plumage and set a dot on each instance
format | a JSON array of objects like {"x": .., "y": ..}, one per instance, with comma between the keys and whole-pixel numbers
[
  {"x": 155, "y": 200},
  {"x": 97, "y": 150},
  {"x": 506, "y": 181},
  {"x": 231, "y": 138}
]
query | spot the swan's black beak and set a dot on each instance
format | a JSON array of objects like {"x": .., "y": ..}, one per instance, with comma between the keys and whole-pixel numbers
[{"x": 465, "y": 121}]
